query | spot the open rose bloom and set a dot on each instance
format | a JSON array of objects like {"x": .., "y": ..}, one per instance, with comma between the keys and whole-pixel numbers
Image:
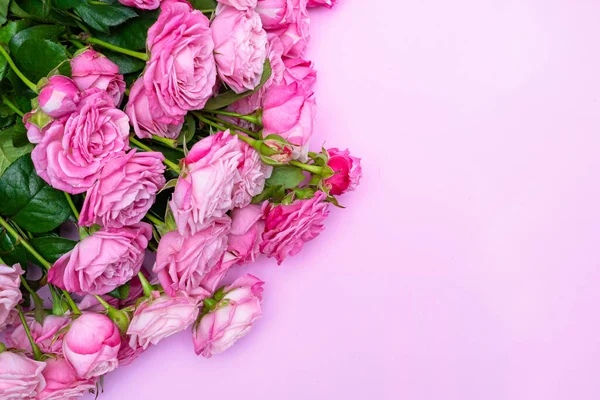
[{"x": 159, "y": 165}]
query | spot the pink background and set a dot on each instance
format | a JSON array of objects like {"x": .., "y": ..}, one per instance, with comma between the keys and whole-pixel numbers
[{"x": 466, "y": 266}]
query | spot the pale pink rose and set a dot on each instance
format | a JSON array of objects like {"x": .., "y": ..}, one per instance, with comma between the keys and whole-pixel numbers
[
  {"x": 288, "y": 227},
  {"x": 91, "y": 345},
  {"x": 232, "y": 317},
  {"x": 318, "y": 3},
  {"x": 10, "y": 294},
  {"x": 161, "y": 316},
  {"x": 181, "y": 73},
  {"x": 125, "y": 190},
  {"x": 127, "y": 354},
  {"x": 144, "y": 120},
  {"x": 182, "y": 261},
  {"x": 289, "y": 111},
  {"x": 347, "y": 171},
  {"x": 241, "y": 5},
  {"x": 12, "y": 319},
  {"x": 141, "y": 4},
  {"x": 247, "y": 227},
  {"x": 20, "y": 377},
  {"x": 44, "y": 335},
  {"x": 62, "y": 382},
  {"x": 253, "y": 173},
  {"x": 278, "y": 13},
  {"x": 205, "y": 187},
  {"x": 240, "y": 47},
  {"x": 59, "y": 97},
  {"x": 299, "y": 70},
  {"x": 295, "y": 36},
  {"x": 71, "y": 156},
  {"x": 213, "y": 279},
  {"x": 91, "y": 69},
  {"x": 102, "y": 261}
]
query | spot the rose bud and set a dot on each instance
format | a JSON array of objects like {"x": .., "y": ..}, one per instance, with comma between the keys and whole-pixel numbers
[
  {"x": 141, "y": 4},
  {"x": 247, "y": 226},
  {"x": 59, "y": 97},
  {"x": 102, "y": 261},
  {"x": 324, "y": 3},
  {"x": 230, "y": 318},
  {"x": 44, "y": 334},
  {"x": 20, "y": 377},
  {"x": 10, "y": 294},
  {"x": 161, "y": 316},
  {"x": 91, "y": 69},
  {"x": 282, "y": 151},
  {"x": 240, "y": 47},
  {"x": 288, "y": 227},
  {"x": 347, "y": 171},
  {"x": 204, "y": 190},
  {"x": 62, "y": 382},
  {"x": 91, "y": 345}
]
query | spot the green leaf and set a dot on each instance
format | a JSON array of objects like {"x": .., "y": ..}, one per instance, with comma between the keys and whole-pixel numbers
[
  {"x": 65, "y": 4},
  {"x": 3, "y": 10},
  {"x": 126, "y": 63},
  {"x": 230, "y": 97},
  {"x": 101, "y": 17},
  {"x": 29, "y": 201},
  {"x": 39, "y": 10},
  {"x": 204, "y": 4},
  {"x": 11, "y": 252},
  {"x": 37, "y": 57},
  {"x": 50, "y": 32},
  {"x": 19, "y": 135},
  {"x": 52, "y": 247},
  {"x": 8, "y": 152},
  {"x": 121, "y": 293},
  {"x": 187, "y": 131},
  {"x": 132, "y": 34},
  {"x": 287, "y": 176}
]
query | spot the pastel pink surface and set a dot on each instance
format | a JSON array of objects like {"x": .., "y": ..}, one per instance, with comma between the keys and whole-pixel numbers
[{"x": 466, "y": 266}]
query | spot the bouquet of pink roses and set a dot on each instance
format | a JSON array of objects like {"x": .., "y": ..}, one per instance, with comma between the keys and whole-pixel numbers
[{"x": 140, "y": 127}]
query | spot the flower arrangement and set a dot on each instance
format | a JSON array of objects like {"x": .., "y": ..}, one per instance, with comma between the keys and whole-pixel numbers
[{"x": 174, "y": 128}]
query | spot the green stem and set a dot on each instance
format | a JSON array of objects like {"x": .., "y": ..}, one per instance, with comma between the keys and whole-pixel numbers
[
  {"x": 252, "y": 142},
  {"x": 313, "y": 169},
  {"x": 142, "y": 146},
  {"x": 88, "y": 39},
  {"x": 72, "y": 304},
  {"x": 234, "y": 127},
  {"x": 44, "y": 263},
  {"x": 145, "y": 285},
  {"x": 26, "y": 81},
  {"x": 98, "y": 3},
  {"x": 72, "y": 205},
  {"x": 77, "y": 43},
  {"x": 154, "y": 220},
  {"x": 167, "y": 142},
  {"x": 249, "y": 118},
  {"x": 37, "y": 353},
  {"x": 12, "y": 106},
  {"x": 2, "y": 347}
]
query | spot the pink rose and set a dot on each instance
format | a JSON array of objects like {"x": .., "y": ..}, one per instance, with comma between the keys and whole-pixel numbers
[
  {"x": 44, "y": 335},
  {"x": 181, "y": 73},
  {"x": 278, "y": 13},
  {"x": 183, "y": 261},
  {"x": 20, "y": 377},
  {"x": 91, "y": 69},
  {"x": 71, "y": 156},
  {"x": 10, "y": 294},
  {"x": 102, "y": 261},
  {"x": 161, "y": 316},
  {"x": 240, "y": 47},
  {"x": 287, "y": 19},
  {"x": 325, "y": 3},
  {"x": 141, "y": 4},
  {"x": 247, "y": 226},
  {"x": 253, "y": 173},
  {"x": 213, "y": 278},
  {"x": 143, "y": 120},
  {"x": 125, "y": 190},
  {"x": 299, "y": 70},
  {"x": 347, "y": 171},
  {"x": 231, "y": 318},
  {"x": 289, "y": 111},
  {"x": 59, "y": 97},
  {"x": 205, "y": 187},
  {"x": 295, "y": 36},
  {"x": 62, "y": 383},
  {"x": 288, "y": 227},
  {"x": 127, "y": 354},
  {"x": 91, "y": 345},
  {"x": 241, "y": 5}
]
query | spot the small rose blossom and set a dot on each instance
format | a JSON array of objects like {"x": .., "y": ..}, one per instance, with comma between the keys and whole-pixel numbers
[
  {"x": 141, "y": 4},
  {"x": 182, "y": 261},
  {"x": 287, "y": 19},
  {"x": 44, "y": 334},
  {"x": 102, "y": 261},
  {"x": 253, "y": 173},
  {"x": 125, "y": 190},
  {"x": 20, "y": 376},
  {"x": 143, "y": 120},
  {"x": 278, "y": 13},
  {"x": 241, "y": 5},
  {"x": 319, "y": 3},
  {"x": 62, "y": 382},
  {"x": 240, "y": 47},
  {"x": 91, "y": 345},
  {"x": 247, "y": 227},
  {"x": 59, "y": 97},
  {"x": 181, "y": 73},
  {"x": 70, "y": 156},
  {"x": 159, "y": 317},
  {"x": 299, "y": 70},
  {"x": 91, "y": 69},
  {"x": 295, "y": 36},
  {"x": 10, "y": 292},
  {"x": 347, "y": 171},
  {"x": 205, "y": 187},
  {"x": 288, "y": 227},
  {"x": 232, "y": 317}
]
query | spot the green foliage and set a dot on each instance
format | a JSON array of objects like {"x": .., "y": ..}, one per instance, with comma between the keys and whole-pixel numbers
[
  {"x": 52, "y": 247},
  {"x": 102, "y": 17},
  {"x": 126, "y": 63},
  {"x": 287, "y": 176},
  {"x": 3, "y": 10},
  {"x": 204, "y": 4},
  {"x": 8, "y": 152},
  {"x": 50, "y": 32},
  {"x": 122, "y": 292},
  {"x": 132, "y": 34},
  {"x": 10, "y": 251},
  {"x": 37, "y": 57}
]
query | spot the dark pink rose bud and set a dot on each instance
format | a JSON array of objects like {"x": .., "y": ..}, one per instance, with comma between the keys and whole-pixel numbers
[
  {"x": 347, "y": 171},
  {"x": 59, "y": 97}
]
